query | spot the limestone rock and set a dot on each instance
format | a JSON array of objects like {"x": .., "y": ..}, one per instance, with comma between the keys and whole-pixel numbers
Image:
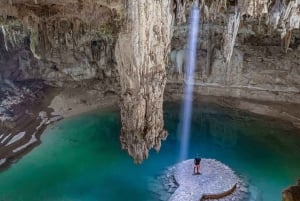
[
  {"x": 180, "y": 15},
  {"x": 253, "y": 7},
  {"x": 292, "y": 193},
  {"x": 141, "y": 52},
  {"x": 58, "y": 41},
  {"x": 240, "y": 55},
  {"x": 63, "y": 43},
  {"x": 71, "y": 44},
  {"x": 229, "y": 35}
]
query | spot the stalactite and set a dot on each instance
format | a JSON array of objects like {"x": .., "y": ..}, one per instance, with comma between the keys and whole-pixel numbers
[
  {"x": 286, "y": 41},
  {"x": 141, "y": 55},
  {"x": 253, "y": 8},
  {"x": 180, "y": 12},
  {"x": 229, "y": 36},
  {"x": 204, "y": 10},
  {"x": 209, "y": 51},
  {"x": 216, "y": 7},
  {"x": 275, "y": 14}
]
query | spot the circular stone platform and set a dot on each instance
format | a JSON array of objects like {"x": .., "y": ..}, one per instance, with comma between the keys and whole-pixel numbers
[{"x": 215, "y": 181}]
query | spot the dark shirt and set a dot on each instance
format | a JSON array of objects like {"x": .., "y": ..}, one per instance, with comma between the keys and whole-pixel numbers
[{"x": 197, "y": 161}]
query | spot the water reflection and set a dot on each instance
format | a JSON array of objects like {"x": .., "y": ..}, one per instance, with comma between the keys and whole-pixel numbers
[
  {"x": 225, "y": 127},
  {"x": 85, "y": 162}
]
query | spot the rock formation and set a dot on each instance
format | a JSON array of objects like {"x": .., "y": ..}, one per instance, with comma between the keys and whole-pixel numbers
[
  {"x": 249, "y": 49},
  {"x": 292, "y": 193},
  {"x": 58, "y": 41},
  {"x": 141, "y": 53},
  {"x": 67, "y": 44}
]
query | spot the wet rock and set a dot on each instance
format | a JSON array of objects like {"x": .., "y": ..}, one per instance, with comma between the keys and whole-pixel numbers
[
  {"x": 188, "y": 185},
  {"x": 164, "y": 185},
  {"x": 292, "y": 193}
]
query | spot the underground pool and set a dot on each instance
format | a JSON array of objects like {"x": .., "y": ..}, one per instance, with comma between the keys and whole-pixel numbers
[{"x": 80, "y": 157}]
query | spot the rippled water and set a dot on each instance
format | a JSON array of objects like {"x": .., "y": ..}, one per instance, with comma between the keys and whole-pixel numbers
[{"x": 80, "y": 157}]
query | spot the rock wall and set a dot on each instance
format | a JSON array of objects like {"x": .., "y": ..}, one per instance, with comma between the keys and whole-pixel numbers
[
  {"x": 62, "y": 43},
  {"x": 68, "y": 44},
  {"x": 58, "y": 41},
  {"x": 141, "y": 53},
  {"x": 248, "y": 50},
  {"x": 243, "y": 52},
  {"x": 292, "y": 193}
]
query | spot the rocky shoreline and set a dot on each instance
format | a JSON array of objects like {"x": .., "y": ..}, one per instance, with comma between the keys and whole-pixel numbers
[
  {"x": 287, "y": 112},
  {"x": 29, "y": 116},
  {"x": 292, "y": 193},
  {"x": 30, "y": 113},
  {"x": 111, "y": 46},
  {"x": 20, "y": 136},
  {"x": 164, "y": 185},
  {"x": 47, "y": 105}
]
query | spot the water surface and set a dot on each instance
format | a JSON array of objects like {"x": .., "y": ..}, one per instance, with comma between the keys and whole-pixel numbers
[{"x": 80, "y": 157}]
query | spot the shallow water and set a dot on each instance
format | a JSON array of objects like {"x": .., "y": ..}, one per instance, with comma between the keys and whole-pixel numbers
[{"x": 80, "y": 157}]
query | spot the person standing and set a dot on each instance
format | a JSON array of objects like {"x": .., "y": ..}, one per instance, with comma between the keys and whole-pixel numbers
[{"x": 197, "y": 161}]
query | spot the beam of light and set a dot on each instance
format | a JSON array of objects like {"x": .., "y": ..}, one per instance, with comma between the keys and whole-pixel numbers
[{"x": 186, "y": 110}]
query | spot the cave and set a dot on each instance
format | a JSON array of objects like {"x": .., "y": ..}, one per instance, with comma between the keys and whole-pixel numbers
[{"x": 137, "y": 100}]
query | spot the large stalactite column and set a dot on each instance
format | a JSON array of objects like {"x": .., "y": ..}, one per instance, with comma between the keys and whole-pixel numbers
[{"x": 141, "y": 53}]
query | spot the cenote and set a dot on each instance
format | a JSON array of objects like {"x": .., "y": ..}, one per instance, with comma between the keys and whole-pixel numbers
[{"x": 80, "y": 157}]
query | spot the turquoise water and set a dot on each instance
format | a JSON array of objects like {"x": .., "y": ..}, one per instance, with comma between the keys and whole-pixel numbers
[{"x": 80, "y": 157}]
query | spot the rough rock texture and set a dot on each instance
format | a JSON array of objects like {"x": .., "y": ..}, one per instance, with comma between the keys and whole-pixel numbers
[
  {"x": 163, "y": 186},
  {"x": 67, "y": 44},
  {"x": 21, "y": 119},
  {"x": 141, "y": 53},
  {"x": 62, "y": 43},
  {"x": 240, "y": 53},
  {"x": 248, "y": 49},
  {"x": 70, "y": 102},
  {"x": 58, "y": 41},
  {"x": 292, "y": 193},
  {"x": 216, "y": 181}
]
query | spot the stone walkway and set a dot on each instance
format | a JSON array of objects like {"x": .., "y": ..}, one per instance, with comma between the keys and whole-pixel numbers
[{"x": 215, "y": 179}]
